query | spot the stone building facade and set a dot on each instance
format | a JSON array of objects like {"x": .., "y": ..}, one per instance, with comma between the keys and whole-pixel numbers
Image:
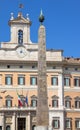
[{"x": 18, "y": 78}]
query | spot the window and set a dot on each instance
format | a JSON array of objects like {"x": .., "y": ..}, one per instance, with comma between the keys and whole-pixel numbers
[
  {"x": 68, "y": 102},
  {"x": 66, "y": 81},
  {"x": 8, "y": 101},
  {"x": 33, "y": 101},
  {"x": 34, "y": 127},
  {"x": 55, "y": 123},
  {"x": 54, "y": 81},
  {"x": 8, "y": 80},
  {"x": 20, "y": 37},
  {"x": 0, "y": 127},
  {"x": 8, "y": 66},
  {"x": 21, "y": 66},
  {"x": 33, "y": 66},
  {"x": 68, "y": 123},
  {"x": 77, "y": 123},
  {"x": 66, "y": 68},
  {"x": 77, "y": 102},
  {"x": 33, "y": 80},
  {"x": 21, "y": 80},
  {"x": 54, "y": 67},
  {"x": 54, "y": 101},
  {"x": 76, "y": 82},
  {"x": 76, "y": 69}
]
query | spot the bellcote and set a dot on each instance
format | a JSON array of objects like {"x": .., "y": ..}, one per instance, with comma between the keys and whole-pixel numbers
[{"x": 20, "y": 29}]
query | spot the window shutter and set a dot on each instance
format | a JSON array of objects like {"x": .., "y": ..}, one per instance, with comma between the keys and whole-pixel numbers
[
  {"x": 11, "y": 81},
  {"x": 58, "y": 124},
  {"x": 79, "y": 82},
  {"x": 11, "y": 103},
  {"x": 36, "y": 80},
  {"x": 30, "y": 80},
  {"x": 70, "y": 124},
  {"x": 6, "y": 103},
  {"x": 52, "y": 123},
  {"x": 76, "y": 124},
  {"x": 18, "y": 81},
  {"x": 57, "y": 103},
  {"x": 69, "y": 82},
  {"x": 5, "y": 80},
  {"x": 51, "y": 80},
  {"x": 57, "y": 80},
  {"x": 23, "y": 80},
  {"x": 74, "y": 82}
]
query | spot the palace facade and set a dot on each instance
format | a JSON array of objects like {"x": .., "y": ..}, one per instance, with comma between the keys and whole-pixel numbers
[{"x": 18, "y": 79}]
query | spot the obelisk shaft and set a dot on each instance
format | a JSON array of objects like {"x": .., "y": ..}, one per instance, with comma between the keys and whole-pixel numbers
[{"x": 42, "y": 107}]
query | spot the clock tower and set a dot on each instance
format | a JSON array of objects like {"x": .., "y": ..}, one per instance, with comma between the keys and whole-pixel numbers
[{"x": 20, "y": 29}]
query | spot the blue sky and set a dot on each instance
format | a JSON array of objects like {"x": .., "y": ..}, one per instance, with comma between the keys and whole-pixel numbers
[{"x": 62, "y": 22}]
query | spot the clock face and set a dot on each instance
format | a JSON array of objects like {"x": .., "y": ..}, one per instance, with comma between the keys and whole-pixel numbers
[{"x": 21, "y": 51}]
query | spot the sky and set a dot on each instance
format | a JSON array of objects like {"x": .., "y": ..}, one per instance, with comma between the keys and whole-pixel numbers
[{"x": 62, "y": 22}]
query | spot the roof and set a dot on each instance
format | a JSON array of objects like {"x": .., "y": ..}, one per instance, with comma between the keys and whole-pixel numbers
[{"x": 20, "y": 20}]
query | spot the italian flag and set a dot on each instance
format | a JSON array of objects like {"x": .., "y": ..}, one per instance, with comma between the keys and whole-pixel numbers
[{"x": 20, "y": 104}]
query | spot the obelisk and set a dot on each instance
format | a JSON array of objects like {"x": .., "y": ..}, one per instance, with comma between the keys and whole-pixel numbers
[{"x": 42, "y": 106}]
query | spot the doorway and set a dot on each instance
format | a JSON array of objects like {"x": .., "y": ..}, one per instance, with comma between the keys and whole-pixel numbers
[{"x": 21, "y": 123}]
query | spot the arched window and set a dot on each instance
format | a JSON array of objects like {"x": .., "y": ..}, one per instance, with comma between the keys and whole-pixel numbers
[
  {"x": 20, "y": 37},
  {"x": 8, "y": 127},
  {"x": 34, "y": 127}
]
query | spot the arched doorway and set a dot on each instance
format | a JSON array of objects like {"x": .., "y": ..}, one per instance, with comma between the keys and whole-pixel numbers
[{"x": 8, "y": 127}]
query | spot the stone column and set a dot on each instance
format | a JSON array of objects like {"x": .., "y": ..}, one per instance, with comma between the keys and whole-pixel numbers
[
  {"x": 61, "y": 99},
  {"x": 3, "y": 121},
  {"x": 28, "y": 121},
  {"x": 14, "y": 121},
  {"x": 42, "y": 106}
]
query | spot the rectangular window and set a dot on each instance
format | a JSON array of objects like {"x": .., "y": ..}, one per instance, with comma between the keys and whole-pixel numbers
[
  {"x": 77, "y": 104},
  {"x": 8, "y": 80},
  {"x": 68, "y": 123},
  {"x": 33, "y": 80},
  {"x": 68, "y": 104},
  {"x": 54, "y": 103},
  {"x": 21, "y": 80},
  {"x": 54, "y": 81},
  {"x": 66, "y": 81},
  {"x": 33, "y": 103},
  {"x": 77, "y": 123},
  {"x": 8, "y": 103},
  {"x": 55, "y": 123},
  {"x": 77, "y": 82}
]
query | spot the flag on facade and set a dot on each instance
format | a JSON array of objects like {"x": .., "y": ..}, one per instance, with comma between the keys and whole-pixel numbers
[
  {"x": 20, "y": 103},
  {"x": 26, "y": 99}
]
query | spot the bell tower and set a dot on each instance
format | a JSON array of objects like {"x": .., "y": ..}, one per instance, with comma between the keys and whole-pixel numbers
[{"x": 20, "y": 29}]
